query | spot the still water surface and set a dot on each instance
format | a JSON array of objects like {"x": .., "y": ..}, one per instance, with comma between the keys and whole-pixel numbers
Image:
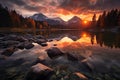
[{"x": 101, "y": 49}]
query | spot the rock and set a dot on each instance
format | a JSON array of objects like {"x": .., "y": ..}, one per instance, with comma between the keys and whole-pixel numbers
[
  {"x": 39, "y": 72},
  {"x": 74, "y": 38},
  {"x": 8, "y": 51},
  {"x": 43, "y": 44},
  {"x": 39, "y": 41},
  {"x": 32, "y": 40},
  {"x": 9, "y": 43},
  {"x": 10, "y": 37},
  {"x": 28, "y": 45},
  {"x": 54, "y": 52},
  {"x": 88, "y": 66},
  {"x": 81, "y": 76},
  {"x": 21, "y": 39},
  {"x": 21, "y": 45},
  {"x": 40, "y": 59},
  {"x": 54, "y": 44},
  {"x": 2, "y": 34},
  {"x": 39, "y": 37},
  {"x": 2, "y": 57},
  {"x": 50, "y": 40},
  {"x": 74, "y": 57}
]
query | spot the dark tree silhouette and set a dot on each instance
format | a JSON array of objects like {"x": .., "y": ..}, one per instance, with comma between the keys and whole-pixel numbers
[
  {"x": 109, "y": 19},
  {"x": 5, "y": 20},
  {"x": 10, "y": 18}
]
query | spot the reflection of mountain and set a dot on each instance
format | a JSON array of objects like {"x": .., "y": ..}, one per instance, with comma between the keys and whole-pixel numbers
[
  {"x": 108, "y": 39},
  {"x": 74, "y": 22}
]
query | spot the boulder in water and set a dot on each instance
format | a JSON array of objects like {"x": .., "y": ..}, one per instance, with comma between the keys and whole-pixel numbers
[
  {"x": 8, "y": 51},
  {"x": 39, "y": 72},
  {"x": 43, "y": 44},
  {"x": 54, "y": 52},
  {"x": 75, "y": 57},
  {"x": 28, "y": 45}
]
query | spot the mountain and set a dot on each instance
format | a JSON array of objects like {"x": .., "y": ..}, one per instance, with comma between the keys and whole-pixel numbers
[
  {"x": 39, "y": 17},
  {"x": 51, "y": 21},
  {"x": 74, "y": 20},
  {"x": 59, "y": 19}
]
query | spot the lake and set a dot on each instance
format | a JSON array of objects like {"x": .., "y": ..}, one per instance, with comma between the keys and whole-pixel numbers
[{"x": 93, "y": 54}]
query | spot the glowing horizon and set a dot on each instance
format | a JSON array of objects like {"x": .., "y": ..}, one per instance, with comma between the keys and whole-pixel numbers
[{"x": 64, "y": 9}]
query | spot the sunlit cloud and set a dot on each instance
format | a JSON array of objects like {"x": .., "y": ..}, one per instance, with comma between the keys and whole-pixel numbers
[{"x": 62, "y": 8}]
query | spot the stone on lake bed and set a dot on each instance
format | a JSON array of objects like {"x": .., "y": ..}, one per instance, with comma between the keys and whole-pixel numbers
[
  {"x": 40, "y": 59},
  {"x": 39, "y": 37},
  {"x": 80, "y": 75},
  {"x": 54, "y": 44},
  {"x": 28, "y": 45},
  {"x": 8, "y": 51},
  {"x": 43, "y": 44},
  {"x": 21, "y": 39},
  {"x": 74, "y": 57},
  {"x": 54, "y": 52},
  {"x": 21, "y": 45},
  {"x": 39, "y": 41},
  {"x": 9, "y": 43},
  {"x": 39, "y": 72}
]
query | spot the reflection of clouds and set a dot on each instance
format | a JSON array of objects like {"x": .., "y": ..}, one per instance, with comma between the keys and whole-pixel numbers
[
  {"x": 66, "y": 39},
  {"x": 76, "y": 47}
]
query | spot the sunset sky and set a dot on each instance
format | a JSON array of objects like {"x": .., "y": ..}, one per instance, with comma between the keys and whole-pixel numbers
[{"x": 64, "y": 9}]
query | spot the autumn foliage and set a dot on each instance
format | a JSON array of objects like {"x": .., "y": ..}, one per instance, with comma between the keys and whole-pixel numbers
[{"x": 10, "y": 18}]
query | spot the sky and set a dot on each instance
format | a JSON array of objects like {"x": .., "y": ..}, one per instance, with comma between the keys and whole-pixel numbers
[{"x": 64, "y": 9}]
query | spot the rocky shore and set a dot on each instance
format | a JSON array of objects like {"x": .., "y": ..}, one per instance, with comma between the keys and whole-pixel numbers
[{"x": 29, "y": 57}]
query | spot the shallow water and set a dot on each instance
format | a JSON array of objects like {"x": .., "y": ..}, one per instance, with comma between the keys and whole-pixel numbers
[{"x": 101, "y": 51}]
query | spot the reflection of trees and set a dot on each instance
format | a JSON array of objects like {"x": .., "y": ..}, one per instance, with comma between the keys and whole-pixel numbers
[{"x": 108, "y": 39}]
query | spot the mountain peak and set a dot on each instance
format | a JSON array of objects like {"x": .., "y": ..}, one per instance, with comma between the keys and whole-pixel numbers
[
  {"x": 39, "y": 17},
  {"x": 74, "y": 19}
]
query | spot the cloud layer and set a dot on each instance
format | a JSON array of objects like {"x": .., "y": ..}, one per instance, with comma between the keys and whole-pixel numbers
[{"x": 61, "y": 7}]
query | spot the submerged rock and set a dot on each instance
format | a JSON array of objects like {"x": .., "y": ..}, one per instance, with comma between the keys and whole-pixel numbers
[
  {"x": 43, "y": 44},
  {"x": 8, "y": 51},
  {"x": 40, "y": 41},
  {"x": 21, "y": 45},
  {"x": 39, "y": 37},
  {"x": 75, "y": 57},
  {"x": 28, "y": 45},
  {"x": 2, "y": 57},
  {"x": 54, "y": 52},
  {"x": 54, "y": 44},
  {"x": 9, "y": 43},
  {"x": 39, "y": 72},
  {"x": 10, "y": 37},
  {"x": 21, "y": 39},
  {"x": 40, "y": 59}
]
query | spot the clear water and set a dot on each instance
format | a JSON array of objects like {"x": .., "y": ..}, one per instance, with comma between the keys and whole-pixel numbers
[{"x": 101, "y": 51}]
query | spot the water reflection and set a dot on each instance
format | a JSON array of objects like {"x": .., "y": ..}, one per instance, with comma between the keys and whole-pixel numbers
[
  {"x": 107, "y": 39},
  {"x": 99, "y": 49}
]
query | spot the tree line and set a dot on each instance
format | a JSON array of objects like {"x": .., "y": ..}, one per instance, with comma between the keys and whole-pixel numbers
[
  {"x": 10, "y": 18},
  {"x": 108, "y": 20}
]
